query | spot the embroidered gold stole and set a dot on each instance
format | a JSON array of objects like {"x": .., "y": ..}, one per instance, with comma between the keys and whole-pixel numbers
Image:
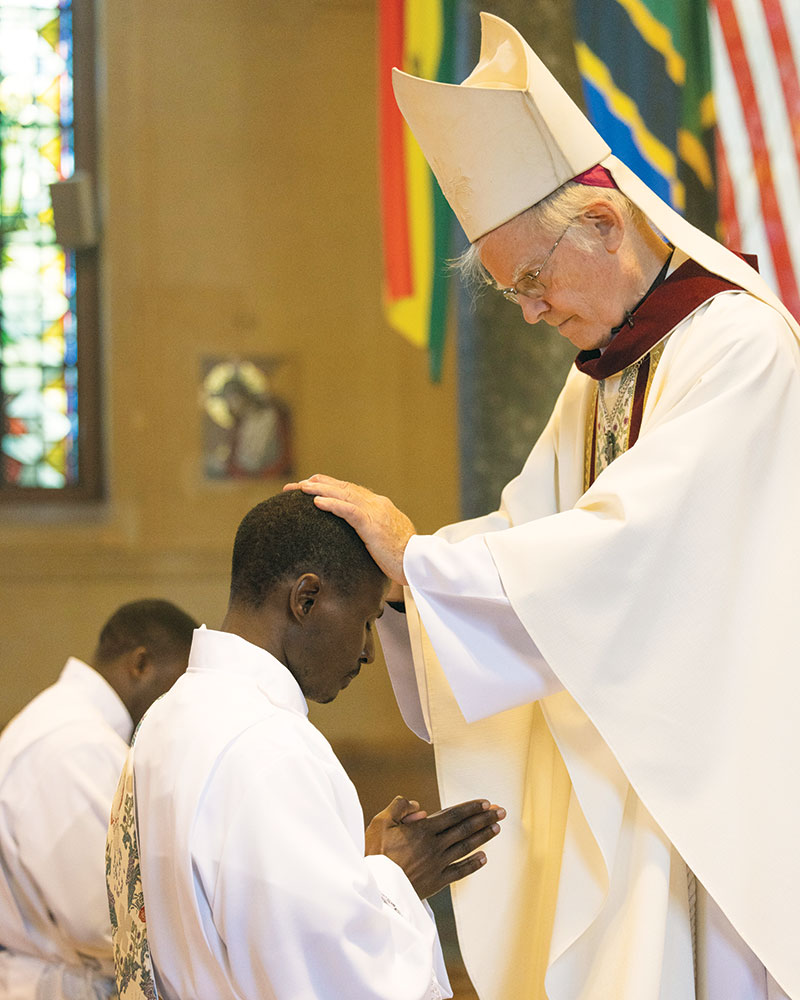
[
  {"x": 132, "y": 961},
  {"x": 624, "y": 372}
]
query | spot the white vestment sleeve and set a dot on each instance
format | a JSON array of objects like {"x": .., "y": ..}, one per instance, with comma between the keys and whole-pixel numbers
[
  {"x": 294, "y": 900},
  {"x": 490, "y": 660},
  {"x": 398, "y": 893},
  {"x": 393, "y": 629}
]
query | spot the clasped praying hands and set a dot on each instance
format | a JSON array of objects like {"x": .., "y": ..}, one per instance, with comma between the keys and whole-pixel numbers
[{"x": 434, "y": 850}]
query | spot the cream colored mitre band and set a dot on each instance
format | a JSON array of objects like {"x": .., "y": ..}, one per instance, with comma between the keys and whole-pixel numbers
[{"x": 510, "y": 135}]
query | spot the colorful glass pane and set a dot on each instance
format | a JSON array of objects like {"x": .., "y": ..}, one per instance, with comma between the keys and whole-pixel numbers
[{"x": 38, "y": 332}]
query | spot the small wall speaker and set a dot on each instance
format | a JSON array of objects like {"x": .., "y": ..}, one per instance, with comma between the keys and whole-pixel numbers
[{"x": 73, "y": 211}]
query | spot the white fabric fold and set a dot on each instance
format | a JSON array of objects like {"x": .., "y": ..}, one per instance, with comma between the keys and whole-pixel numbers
[
  {"x": 456, "y": 588},
  {"x": 663, "y": 600},
  {"x": 60, "y": 759},
  {"x": 252, "y": 848}
]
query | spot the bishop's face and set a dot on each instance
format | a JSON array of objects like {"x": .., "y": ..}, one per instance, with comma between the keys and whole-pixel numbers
[{"x": 581, "y": 288}]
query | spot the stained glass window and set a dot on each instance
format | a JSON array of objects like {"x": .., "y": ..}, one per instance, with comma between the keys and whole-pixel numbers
[{"x": 40, "y": 378}]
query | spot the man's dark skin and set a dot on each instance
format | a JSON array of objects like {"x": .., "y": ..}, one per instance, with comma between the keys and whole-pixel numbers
[
  {"x": 139, "y": 676},
  {"x": 141, "y": 669},
  {"x": 323, "y": 635}
]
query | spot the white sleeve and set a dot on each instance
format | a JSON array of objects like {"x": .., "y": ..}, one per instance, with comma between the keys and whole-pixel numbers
[
  {"x": 393, "y": 630},
  {"x": 294, "y": 900},
  {"x": 489, "y": 659},
  {"x": 398, "y": 893}
]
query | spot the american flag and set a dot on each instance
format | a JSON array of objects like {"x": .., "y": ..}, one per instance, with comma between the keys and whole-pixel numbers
[{"x": 755, "y": 58}]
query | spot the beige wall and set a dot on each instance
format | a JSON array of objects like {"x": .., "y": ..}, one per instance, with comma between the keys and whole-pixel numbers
[{"x": 239, "y": 189}]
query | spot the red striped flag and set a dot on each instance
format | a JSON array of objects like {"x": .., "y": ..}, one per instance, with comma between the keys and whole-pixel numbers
[
  {"x": 394, "y": 194},
  {"x": 756, "y": 55},
  {"x": 417, "y": 36}
]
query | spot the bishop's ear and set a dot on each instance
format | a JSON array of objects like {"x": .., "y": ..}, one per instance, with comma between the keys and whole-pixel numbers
[
  {"x": 304, "y": 595},
  {"x": 607, "y": 220}
]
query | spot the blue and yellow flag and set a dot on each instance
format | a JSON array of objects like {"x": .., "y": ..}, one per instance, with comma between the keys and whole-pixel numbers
[{"x": 646, "y": 71}]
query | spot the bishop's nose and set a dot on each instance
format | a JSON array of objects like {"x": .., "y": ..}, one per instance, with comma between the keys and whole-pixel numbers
[{"x": 532, "y": 309}]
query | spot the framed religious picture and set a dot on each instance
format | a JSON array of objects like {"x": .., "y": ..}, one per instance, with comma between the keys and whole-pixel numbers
[{"x": 247, "y": 432}]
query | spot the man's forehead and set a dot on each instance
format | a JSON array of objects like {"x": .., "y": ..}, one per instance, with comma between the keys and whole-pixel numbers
[
  {"x": 367, "y": 592},
  {"x": 510, "y": 250}
]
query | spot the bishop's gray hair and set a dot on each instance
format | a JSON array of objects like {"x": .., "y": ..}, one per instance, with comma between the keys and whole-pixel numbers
[{"x": 551, "y": 216}]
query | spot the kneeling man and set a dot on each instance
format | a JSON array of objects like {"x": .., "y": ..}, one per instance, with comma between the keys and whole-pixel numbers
[{"x": 252, "y": 862}]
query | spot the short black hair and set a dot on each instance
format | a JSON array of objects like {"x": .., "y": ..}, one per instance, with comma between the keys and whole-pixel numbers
[
  {"x": 161, "y": 626},
  {"x": 288, "y": 535}
]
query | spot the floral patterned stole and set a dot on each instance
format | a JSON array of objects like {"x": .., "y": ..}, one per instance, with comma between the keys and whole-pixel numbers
[{"x": 132, "y": 961}]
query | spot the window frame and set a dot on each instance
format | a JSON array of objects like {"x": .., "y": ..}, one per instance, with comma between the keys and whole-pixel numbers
[{"x": 90, "y": 485}]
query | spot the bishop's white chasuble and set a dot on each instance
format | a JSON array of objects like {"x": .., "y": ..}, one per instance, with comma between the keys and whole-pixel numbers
[{"x": 649, "y": 548}]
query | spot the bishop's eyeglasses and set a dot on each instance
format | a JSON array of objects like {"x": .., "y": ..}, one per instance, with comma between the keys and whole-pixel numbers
[{"x": 529, "y": 284}]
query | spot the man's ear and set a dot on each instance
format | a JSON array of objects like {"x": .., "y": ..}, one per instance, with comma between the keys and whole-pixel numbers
[
  {"x": 608, "y": 222},
  {"x": 304, "y": 595},
  {"x": 137, "y": 661}
]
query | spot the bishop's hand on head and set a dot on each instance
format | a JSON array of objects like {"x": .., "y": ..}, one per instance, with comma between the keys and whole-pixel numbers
[{"x": 384, "y": 529}]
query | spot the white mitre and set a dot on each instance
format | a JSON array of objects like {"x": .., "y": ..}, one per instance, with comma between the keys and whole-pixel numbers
[{"x": 510, "y": 135}]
